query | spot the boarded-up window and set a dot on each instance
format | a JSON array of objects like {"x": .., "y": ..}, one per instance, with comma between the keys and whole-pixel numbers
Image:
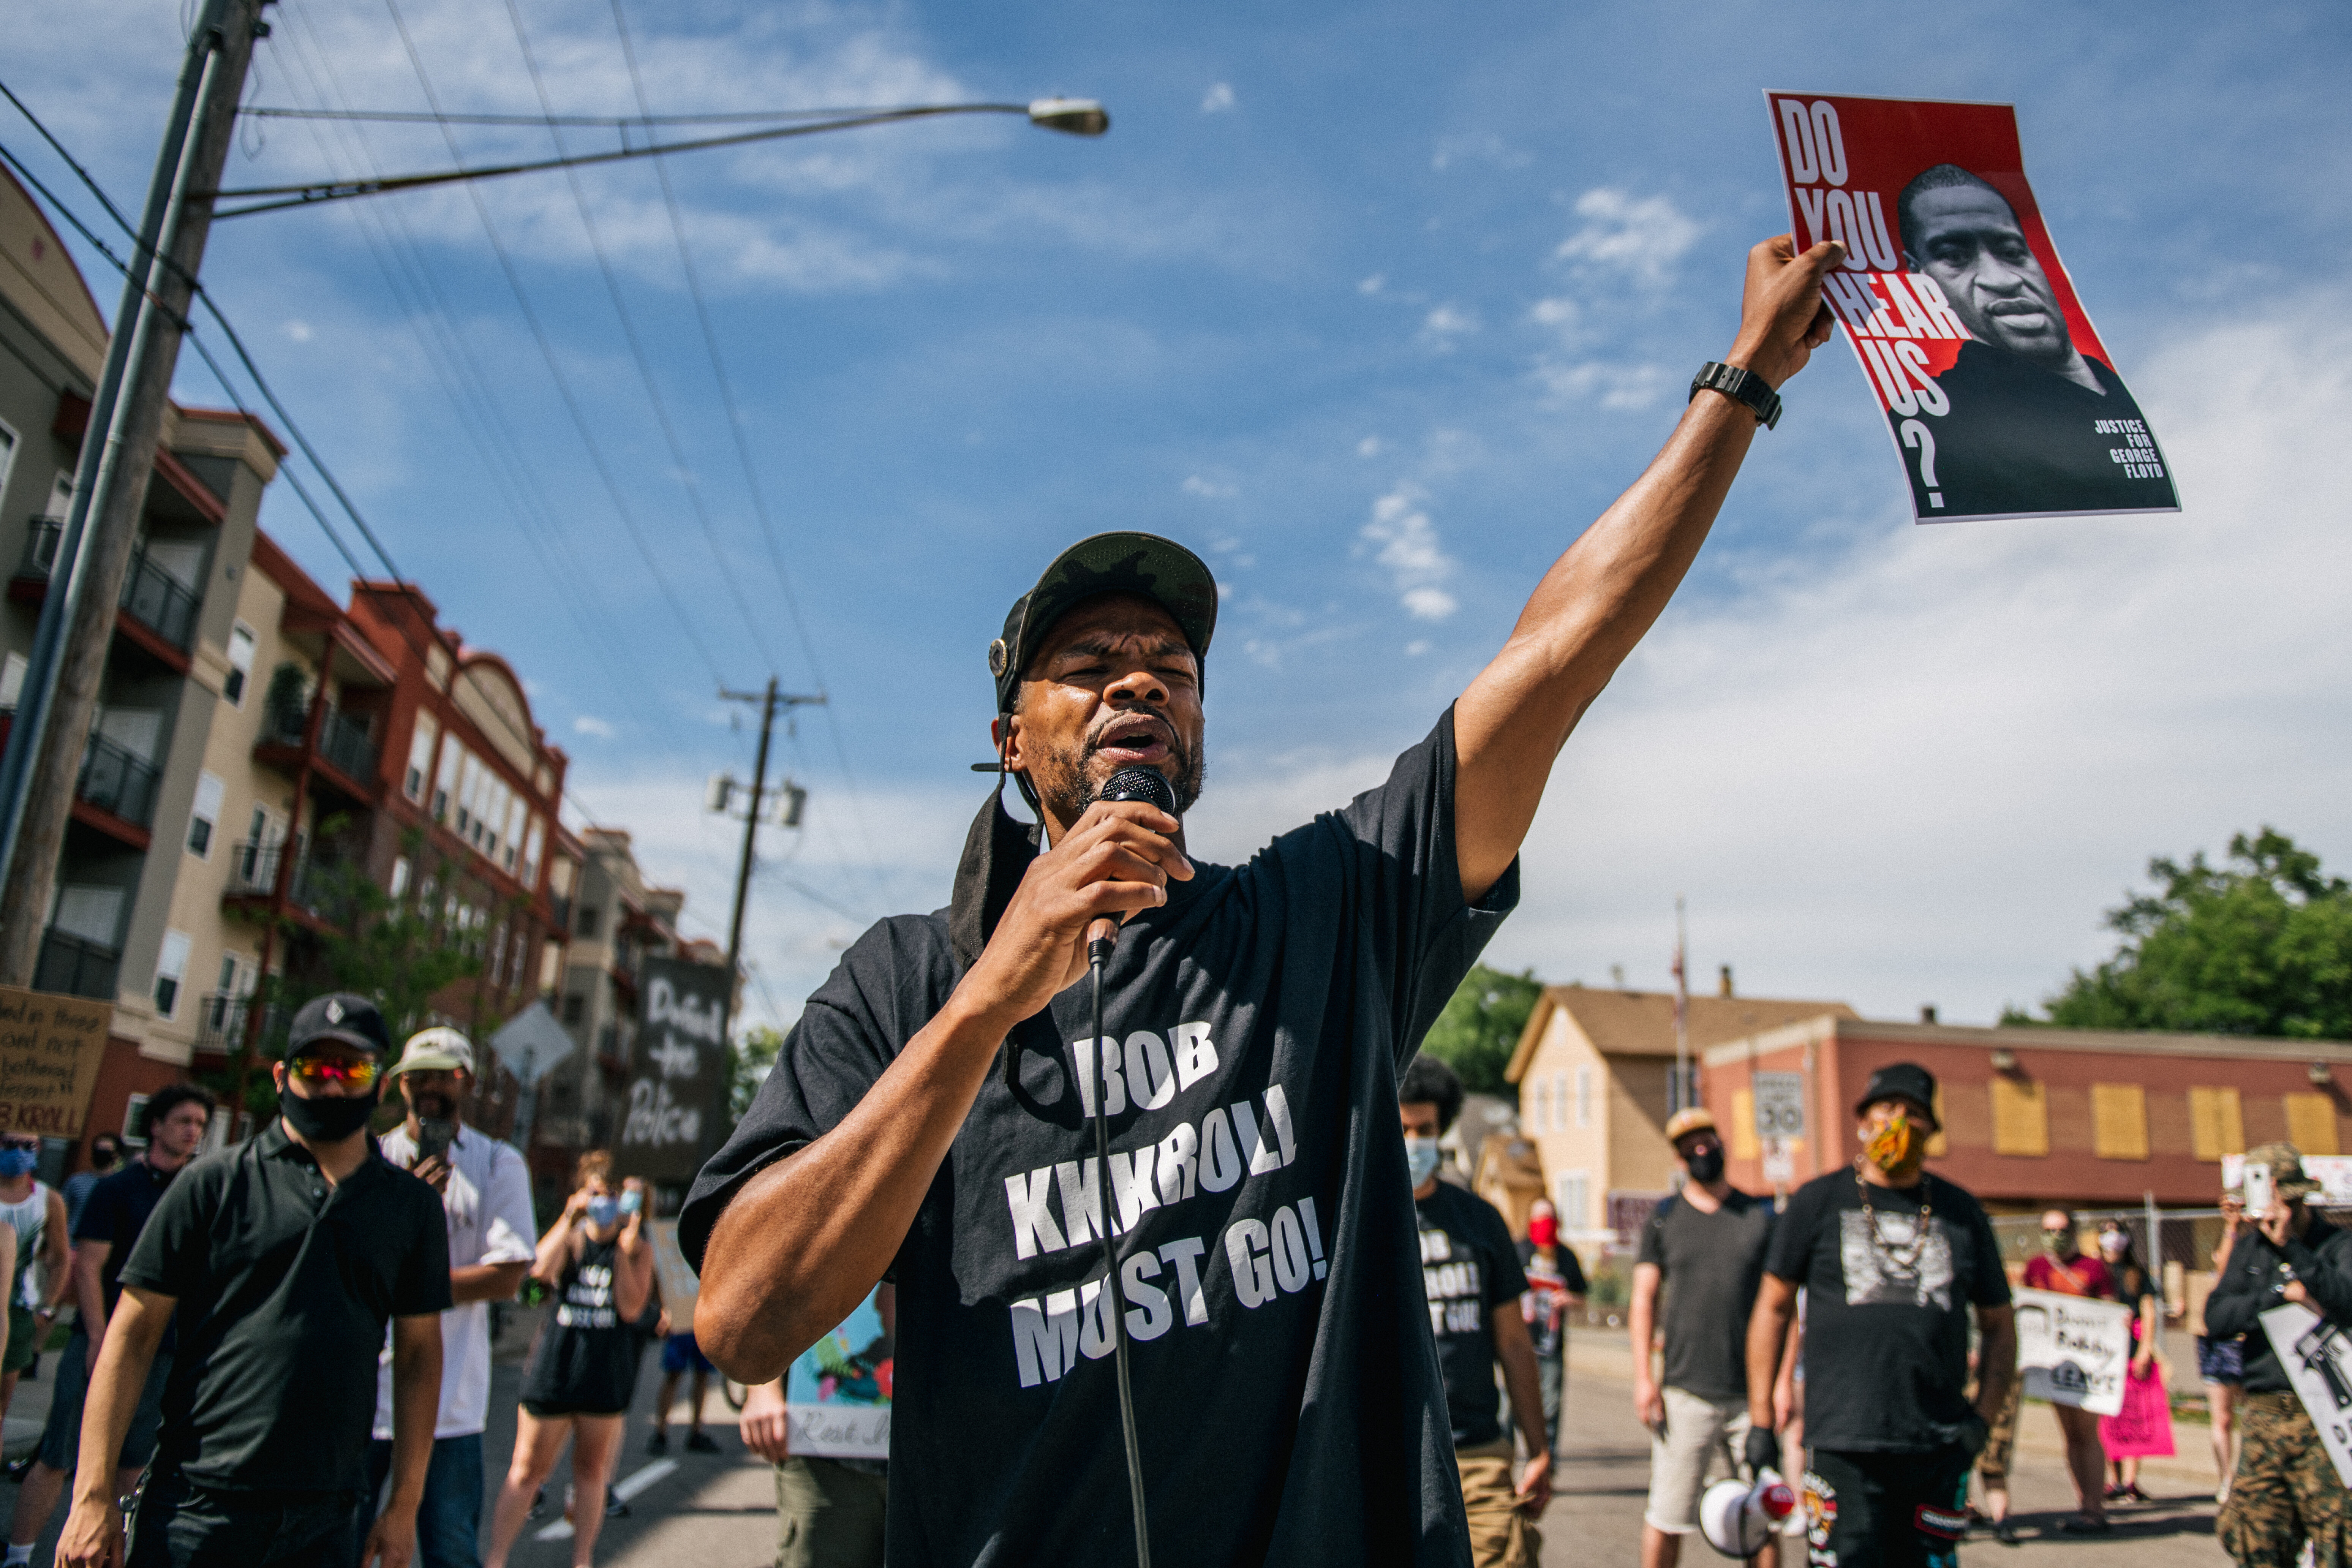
[
  {"x": 2311, "y": 1122},
  {"x": 1743, "y": 1125},
  {"x": 1940, "y": 1143},
  {"x": 2215, "y": 1126},
  {"x": 2020, "y": 1118},
  {"x": 2119, "y": 1121}
]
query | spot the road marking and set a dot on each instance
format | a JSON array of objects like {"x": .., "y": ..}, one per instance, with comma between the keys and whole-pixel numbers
[{"x": 659, "y": 1469}]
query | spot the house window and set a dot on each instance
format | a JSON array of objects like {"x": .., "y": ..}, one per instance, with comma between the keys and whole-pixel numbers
[
  {"x": 1571, "y": 1196},
  {"x": 575, "y": 1007},
  {"x": 399, "y": 875},
  {"x": 1584, "y": 1097},
  {"x": 1542, "y": 1115},
  {"x": 12, "y": 679},
  {"x": 171, "y": 969},
  {"x": 420, "y": 759},
  {"x": 240, "y": 664},
  {"x": 203, "y": 815},
  {"x": 587, "y": 919},
  {"x": 134, "y": 1121},
  {"x": 446, "y": 781}
]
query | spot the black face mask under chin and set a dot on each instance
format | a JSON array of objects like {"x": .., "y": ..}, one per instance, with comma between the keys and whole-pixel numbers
[
  {"x": 1707, "y": 1168},
  {"x": 326, "y": 1120}
]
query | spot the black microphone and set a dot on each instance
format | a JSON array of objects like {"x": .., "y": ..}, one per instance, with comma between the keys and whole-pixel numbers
[{"x": 1152, "y": 787}]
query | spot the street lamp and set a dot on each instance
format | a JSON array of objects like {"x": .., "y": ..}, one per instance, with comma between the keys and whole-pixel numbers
[{"x": 1072, "y": 116}]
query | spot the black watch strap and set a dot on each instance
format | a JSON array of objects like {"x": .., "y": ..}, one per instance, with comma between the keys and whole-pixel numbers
[{"x": 1744, "y": 386}]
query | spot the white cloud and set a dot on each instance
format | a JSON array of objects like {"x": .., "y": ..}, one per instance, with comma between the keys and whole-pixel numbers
[
  {"x": 1218, "y": 100},
  {"x": 1446, "y": 325},
  {"x": 298, "y": 330},
  {"x": 587, "y": 724},
  {"x": 1209, "y": 489},
  {"x": 1640, "y": 238},
  {"x": 1410, "y": 550},
  {"x": 1617, "y": 387},
  {"x": 1369, "y": 446},
  {"x": 1374, "y": 284}
]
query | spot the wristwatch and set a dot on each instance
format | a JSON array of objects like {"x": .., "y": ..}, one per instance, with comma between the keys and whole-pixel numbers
[{"x": 1743, "y": 387}]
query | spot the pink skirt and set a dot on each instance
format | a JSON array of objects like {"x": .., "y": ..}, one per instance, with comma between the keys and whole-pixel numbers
[{"x": 2144, "y": 1430}]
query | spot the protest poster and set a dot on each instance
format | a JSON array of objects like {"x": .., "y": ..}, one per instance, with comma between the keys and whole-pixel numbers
[
  {"x": 2319, "y": 1363},
  {"x": 837, "y": 1393},
  {"x": 2071, "y": 1350},
  {"x": 2000, "y": 396},
  {"x": 678, "y": 1070},
  {"x": 50, "y": 1047}
]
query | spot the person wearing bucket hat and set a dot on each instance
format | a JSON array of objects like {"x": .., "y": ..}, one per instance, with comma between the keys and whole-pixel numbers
[
  {"x": 279, "y": 1264},
  {"x": 932, "y": 1113},
  {"x": 1892, "y": 1259},
  {"x": 2285, "y": 1493}
]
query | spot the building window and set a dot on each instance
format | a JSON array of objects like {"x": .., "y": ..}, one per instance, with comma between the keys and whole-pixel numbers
[
  {"x": 12, "y": 679},
  {"x": 446, "y": 781},
  {"x": 2215, "y": 1126},
  {"x": 2021, "y": 1117},
  {"x": 587, "y": 919},
  {"x": 399, "y": 875},
  {"x": 575, "y": 1007},
  {"x": 2311, "y": 1122},
  {"x": 2119, "y": 1121},
  {"x": 240, "y": 664},
  {"x": 420, "y": 759},
  {"x": 1571, "y": 1196},
  {"x": 203, "y": 815},
  {"x": 134, "y": 1121},
  {"x": 171, "y": 969},
  {"x": 1584, "y": 1097},
  {"x": 1541, "y": 1115}
]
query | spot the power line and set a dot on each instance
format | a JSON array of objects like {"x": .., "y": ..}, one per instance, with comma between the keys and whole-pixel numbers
[{"x": 606, "y": 121}]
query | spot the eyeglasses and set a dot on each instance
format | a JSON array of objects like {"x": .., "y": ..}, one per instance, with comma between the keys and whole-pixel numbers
[
  {"x": 25, "y": 1145},
  {"x": 359, "y": 1074}
]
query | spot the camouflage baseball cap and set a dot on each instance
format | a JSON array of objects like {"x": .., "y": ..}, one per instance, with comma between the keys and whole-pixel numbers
[
  {"x": 1158, "y": 569},
  {"x": 2285, "y": 1164}
]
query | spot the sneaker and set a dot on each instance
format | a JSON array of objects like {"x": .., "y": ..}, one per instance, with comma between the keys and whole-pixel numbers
[
  {"x": 538, "y": 1503},
  {"x": 701, "y": 1443},
  {"x": 659, "y": 1443},
  {"x": 615, "y": 1507}
]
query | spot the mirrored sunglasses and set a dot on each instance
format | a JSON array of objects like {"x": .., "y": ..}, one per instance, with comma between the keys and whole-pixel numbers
[{"x": 360, "y": 1075}]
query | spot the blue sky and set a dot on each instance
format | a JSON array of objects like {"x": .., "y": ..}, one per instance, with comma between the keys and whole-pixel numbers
[{"x": 1376, "y": 306}]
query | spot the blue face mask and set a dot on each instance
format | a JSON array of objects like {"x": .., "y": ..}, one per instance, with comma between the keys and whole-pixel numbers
[
  {"x": 631, "y": 1202},
  {"x": 1420, "y": 1155},
  {"x": 603, "y": 1211},
  {"x": 15, "y": 1163}
]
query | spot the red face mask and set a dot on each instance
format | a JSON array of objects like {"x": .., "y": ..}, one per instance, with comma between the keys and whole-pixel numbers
[{"x": 1543, "y": 1230}]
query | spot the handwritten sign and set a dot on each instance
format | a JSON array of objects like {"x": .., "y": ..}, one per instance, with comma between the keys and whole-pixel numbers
[
  {"x": 2072, "y": 1350},
  {"x": 2318, "y": 1362},
  {"x": 50, "y": 1047},
  {"x": 838, "y": 1394},
  {"x": 678, "y": 1076}
]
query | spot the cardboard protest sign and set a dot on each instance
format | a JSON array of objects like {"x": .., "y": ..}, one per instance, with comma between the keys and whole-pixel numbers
[
  {"x": 679, "y": 1286},
  {"x": 677, "y": 1073},
  {"x": 2318, "y": 1362},
  {"x": 2071, "y": 1350},
  {"x": 838, "y": 1394},
  {"x": 2000, "y": 399},
  {"x": 50, "y": 1047}
]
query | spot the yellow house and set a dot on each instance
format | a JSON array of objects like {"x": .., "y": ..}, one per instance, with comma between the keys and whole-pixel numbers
[{"x": 1594, "y": 1069}]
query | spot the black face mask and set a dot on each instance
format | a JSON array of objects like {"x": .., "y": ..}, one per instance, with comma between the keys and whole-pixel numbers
[
  {"x": 1706, "y": 1167},
  {"x": 325, "y": 1121}
]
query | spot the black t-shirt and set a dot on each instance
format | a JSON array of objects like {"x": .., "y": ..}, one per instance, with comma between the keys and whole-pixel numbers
[
  {"x": 1286, "y": 1387},
  {"x": 1710, "y": 1265},
  {"x": 1468, "y": 1268},
  {"x": 283, "y": 1286},
  {"x": 1561, "y": 1273},
  {"x": 115, "y": 1213},
  {"x": 1886, "y": 1323},
  {"x": 587, "y": 1359},
  {"x": 2019, "y": 438}
]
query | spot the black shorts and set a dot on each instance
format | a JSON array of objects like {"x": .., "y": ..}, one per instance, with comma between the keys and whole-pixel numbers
[
  {"x": 1886, "y": 1510},
  {"x": 541, "y": 1410}
]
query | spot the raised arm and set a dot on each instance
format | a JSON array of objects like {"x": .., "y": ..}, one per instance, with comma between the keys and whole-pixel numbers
[{"x": 1600, "y": 597}]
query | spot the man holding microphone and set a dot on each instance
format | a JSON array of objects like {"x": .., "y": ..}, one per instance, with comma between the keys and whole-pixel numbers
[{"x": 931, "y": 1115}]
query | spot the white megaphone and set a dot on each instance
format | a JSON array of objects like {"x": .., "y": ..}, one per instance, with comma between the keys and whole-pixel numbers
[{"x": 1739, "y": 1518}]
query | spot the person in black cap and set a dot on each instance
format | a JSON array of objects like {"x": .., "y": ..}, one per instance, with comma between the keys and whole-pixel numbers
[
  {"x": 1891, "y": 1259},
  {"x": 930, "y": 1114},
  {"x": 279, "y": 1263}
]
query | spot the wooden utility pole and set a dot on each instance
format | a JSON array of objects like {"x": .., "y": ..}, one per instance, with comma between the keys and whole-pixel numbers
[
  {"x": 770, "y": 701},
  {"x": 43, "y": 762}
]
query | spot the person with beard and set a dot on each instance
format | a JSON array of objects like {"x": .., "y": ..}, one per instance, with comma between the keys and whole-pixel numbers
[
  {"x": 484, "y": 1190},
  {"x": 279, "y": 1262},
  {"x": 1556, "y": 1285},
  {"x": 1703, "y": 1248},
  {"x": 104, "y": 1235},
  {"x": 1891, "y": 1259},
  {"x": 932, "y": 1113},
  {"x": 2061, "y": 1266},
  {"x": 2035, "y": 424}
]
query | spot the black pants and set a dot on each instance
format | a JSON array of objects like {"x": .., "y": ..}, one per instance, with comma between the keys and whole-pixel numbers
[
  {"x": 1886, "y": 1510},
  {"x": 179, "y": 1525}
]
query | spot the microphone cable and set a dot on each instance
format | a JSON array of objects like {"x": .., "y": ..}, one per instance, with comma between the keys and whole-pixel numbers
[{"x": 1148, "y": 786}]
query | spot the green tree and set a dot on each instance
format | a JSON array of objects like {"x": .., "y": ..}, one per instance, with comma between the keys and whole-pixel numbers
[
  {"x": 755, "y": 1054},
  {"x": 1480, "y": 1026},
  {"x": 2260, "y": 946}
]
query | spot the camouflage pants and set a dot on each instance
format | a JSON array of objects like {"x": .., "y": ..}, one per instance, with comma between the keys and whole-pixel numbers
[{"x": 2286, "y": 1491}]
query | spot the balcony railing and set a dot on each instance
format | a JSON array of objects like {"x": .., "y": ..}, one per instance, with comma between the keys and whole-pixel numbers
[
  {"x": 221, "y": 1022},
  {"x": 76, "y": 966},
  {"x": 116, "y": 780},
  {"x": 343, "y": 741},
  {"x": 253, "y": 874},
  {"x": 152, "y": 596}
]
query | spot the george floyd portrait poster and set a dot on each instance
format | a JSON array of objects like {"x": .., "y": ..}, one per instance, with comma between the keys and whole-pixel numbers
[
  {"x": 2002, "y": 400},
  {"x": 837, "y": 1393}
]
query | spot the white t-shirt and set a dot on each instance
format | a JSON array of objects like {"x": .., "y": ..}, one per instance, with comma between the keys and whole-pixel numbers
[{"x": 487, "y": 1204}]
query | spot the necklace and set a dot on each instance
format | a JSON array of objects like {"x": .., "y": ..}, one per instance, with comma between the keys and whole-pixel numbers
[{"x": 1903, "y": 1258}]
